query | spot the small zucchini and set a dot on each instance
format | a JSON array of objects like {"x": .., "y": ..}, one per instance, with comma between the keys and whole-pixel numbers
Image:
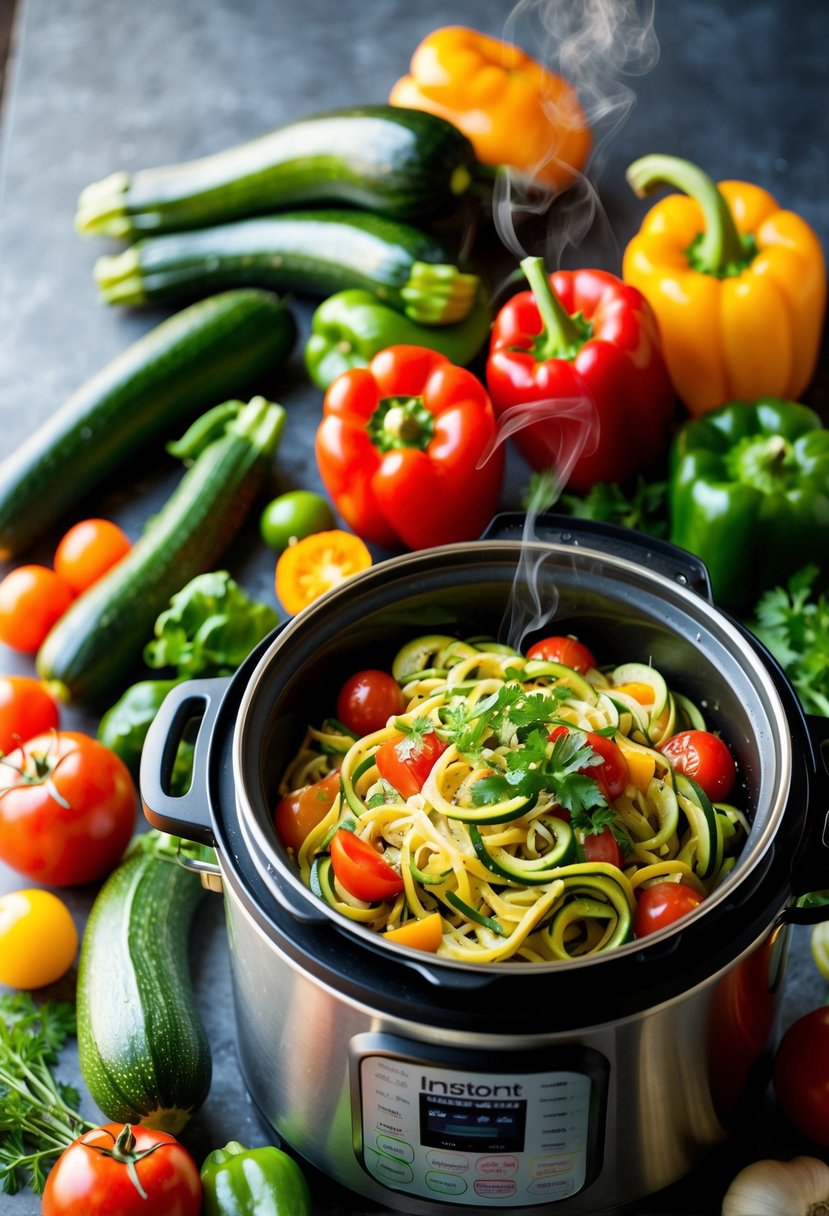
[
  {"x": 314, "y": 252},
  {"x": 216, "y": 348},
  {"x": 404, "y": 163},
  {"x": 102, "y": 635},
  {"x": 143, "y": 1052}
]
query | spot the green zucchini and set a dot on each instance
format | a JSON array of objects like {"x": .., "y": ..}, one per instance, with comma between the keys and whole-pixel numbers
[
  {"x": 143, "y": 1052},
  {"x": 95, "y": 644},
  {"x": 528, "y": 871},
  {"x": 212, "y": 350},
  {"x": 404, "y": 163},
  {"x": 314, "y": 252}
]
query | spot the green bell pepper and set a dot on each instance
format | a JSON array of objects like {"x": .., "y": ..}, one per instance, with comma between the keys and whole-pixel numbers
[
  {"x": 748, "y": 493},
  {"x": 349, "y": 328},
  {"x": 239, "y": 1181}
]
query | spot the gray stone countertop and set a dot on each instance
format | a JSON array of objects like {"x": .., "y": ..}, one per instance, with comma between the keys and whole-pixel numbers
[{"x": 739, "y": 87}]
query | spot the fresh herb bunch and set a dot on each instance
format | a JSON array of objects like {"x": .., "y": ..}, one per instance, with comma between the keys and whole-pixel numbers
[
  {"x": 38, "y": 1114},
  {"x": 643, "y": 505},
  {"x": 793, "y": 622}
]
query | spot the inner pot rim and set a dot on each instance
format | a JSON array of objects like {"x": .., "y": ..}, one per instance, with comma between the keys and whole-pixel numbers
[{"x": 327, "y": 615}]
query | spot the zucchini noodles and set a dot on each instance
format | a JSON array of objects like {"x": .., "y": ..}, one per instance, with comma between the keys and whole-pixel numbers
[{"x": 523, "y": 802}]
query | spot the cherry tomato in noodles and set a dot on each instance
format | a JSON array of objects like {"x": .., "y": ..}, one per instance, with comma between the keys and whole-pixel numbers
[
  {"x": 362, "y": 870},
  {"x": 704, "y": 758}
]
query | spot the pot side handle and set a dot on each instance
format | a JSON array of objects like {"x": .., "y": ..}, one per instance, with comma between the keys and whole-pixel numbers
[
  {"x": 810, "y": 867},
  {"x": 186, "y": 815},
  {"x": 669, "y": 560}
]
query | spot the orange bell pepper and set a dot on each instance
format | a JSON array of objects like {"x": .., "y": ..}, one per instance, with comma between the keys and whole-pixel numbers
[
  {"x": 738, "y": 286},
  {"x": 512, "y": 109}
]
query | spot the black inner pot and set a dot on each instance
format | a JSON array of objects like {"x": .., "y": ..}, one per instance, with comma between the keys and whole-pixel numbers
[{"x": 624, "y": 612}]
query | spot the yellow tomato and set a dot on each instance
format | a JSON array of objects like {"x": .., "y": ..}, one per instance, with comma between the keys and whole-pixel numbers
[{"x": 38, "y": 938}]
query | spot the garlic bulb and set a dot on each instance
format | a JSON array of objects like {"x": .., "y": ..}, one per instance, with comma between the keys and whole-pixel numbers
[{"x": 780, "y": 1188}]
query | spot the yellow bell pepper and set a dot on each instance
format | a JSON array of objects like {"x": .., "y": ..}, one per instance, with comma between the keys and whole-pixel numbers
[
  {"x": 738, "y": 285},
  {"x": 512, "y": 109}
]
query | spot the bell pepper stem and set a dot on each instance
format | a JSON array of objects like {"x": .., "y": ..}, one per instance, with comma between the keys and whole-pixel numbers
[
  {"x": 561, "y": 333},
  {"x": 719, "y": 249}
]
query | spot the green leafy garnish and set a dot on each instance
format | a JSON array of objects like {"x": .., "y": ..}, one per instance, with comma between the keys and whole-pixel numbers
[
  {"x": 644, "y": 508},
  {"x": 538, "y": 766},
  {"x": 793, "y": 623},
  {"x": 38, "y": 1114},
  {"x": 210, "y": 627},
  {"x": 509, "y": 712}
]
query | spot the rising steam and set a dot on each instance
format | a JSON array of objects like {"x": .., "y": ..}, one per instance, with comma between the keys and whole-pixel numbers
[{"x": 593, "y": 44}]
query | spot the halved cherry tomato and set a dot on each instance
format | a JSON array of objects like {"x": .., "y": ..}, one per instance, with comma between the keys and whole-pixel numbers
[
  {"x": 603, "y": 846},
  {"x": 361, "y": 870},
  {"x": 705, "y": 759},
  {"x": 663, "y": 904},
  {"x": 299, "y": 813},
  {"x": 32, "y": 598},
  {"x": 612, "y": 774},
  {"x": 368, "y": 699},
  {"x": 38, "y": 938},
  {"x": 148, "y": 1172},
  {"x": 67, "y": 808},
  {"x": 88, "y": 550},
  {"x": 26, "y": 710},
  {"x": 405, "y": 761},
  {"x": 316, "y": 564},
  {"x": 566, "y": 650}
]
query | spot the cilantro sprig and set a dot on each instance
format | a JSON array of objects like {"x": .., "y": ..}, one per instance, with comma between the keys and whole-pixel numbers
[
  {"x": 793, "y": 622},
  {"x": 537, "y": 765},
  {"x": 509, "y": 712},
  {"x": 38, "y": 1114}
]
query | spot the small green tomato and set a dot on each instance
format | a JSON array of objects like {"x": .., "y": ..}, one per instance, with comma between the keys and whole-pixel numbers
[{"x": 293, "y": 516}]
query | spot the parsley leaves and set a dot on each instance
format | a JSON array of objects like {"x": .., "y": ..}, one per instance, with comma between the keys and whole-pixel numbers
[
  {"x": 793, "y": 623},
  {"x": 536, "y": 766}
]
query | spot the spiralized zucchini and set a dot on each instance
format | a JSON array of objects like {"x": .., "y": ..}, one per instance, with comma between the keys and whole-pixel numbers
[{"x": 496, "y": 837}]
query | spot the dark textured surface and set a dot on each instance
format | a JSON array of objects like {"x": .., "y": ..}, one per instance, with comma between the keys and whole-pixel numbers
[{"x": 739, "y": 87}]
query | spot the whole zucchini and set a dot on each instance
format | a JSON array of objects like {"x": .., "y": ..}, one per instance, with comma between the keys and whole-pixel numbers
[
  {"x": 207, "y": 352},
  {"x": 96, "y": 643},
  {"x": 315, "y": 252},
  {"x": 403, "y": 163},
  {"x": 143, "y": 1051}
]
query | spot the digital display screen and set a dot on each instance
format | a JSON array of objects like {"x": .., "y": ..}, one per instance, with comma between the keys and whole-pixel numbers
[{"x": 473, "y": 1125}]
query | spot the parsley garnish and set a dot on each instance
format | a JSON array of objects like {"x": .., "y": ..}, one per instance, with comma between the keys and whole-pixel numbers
[
  {"x": 541, "y": 765},
  {"x": 794, "y": 624},
  {"x": 511, "y": 711},
  {"x": 38, "y": 1115},
  {"x": 411, "y": 744}
]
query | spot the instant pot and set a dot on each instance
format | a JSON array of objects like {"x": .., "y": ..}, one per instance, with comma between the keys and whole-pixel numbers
[{"x": 429, "y": 1086}]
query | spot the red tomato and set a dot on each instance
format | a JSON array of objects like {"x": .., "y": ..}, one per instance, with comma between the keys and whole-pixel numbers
[
  {"x": 368, "y": 699},
  {"x": 406, "y": 761},
  {"x": 32, "y": 598},
  {"x": 88, "y": 550},
  {"x": 90, "y": 1179},
  {"x": 661, "y": 905},
  {"x": 566, "y": 650},
  {"x": 298, "y": 813},
  {"x": 67, "y": 809},
  {"x": 705, "y": 759},
  {"x": 26, "y": 710},
  {"x": 612, "y": 774},
  {"x": 602, "y": 846},
  {"x": 361, "y": 869},
  {"x": 801, "y": 1075}
]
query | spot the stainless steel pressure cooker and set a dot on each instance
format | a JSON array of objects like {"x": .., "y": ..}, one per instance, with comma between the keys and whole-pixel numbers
[{"x": 429, "y": 1086}]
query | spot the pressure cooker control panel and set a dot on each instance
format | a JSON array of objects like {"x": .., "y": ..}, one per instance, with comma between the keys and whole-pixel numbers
[{"x": 488, "y": 1130}]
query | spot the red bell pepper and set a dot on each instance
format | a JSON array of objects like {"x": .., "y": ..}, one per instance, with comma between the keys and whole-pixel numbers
[
  {"x": 406, "y": 449},
  {"x": 577, "y": 377}
]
